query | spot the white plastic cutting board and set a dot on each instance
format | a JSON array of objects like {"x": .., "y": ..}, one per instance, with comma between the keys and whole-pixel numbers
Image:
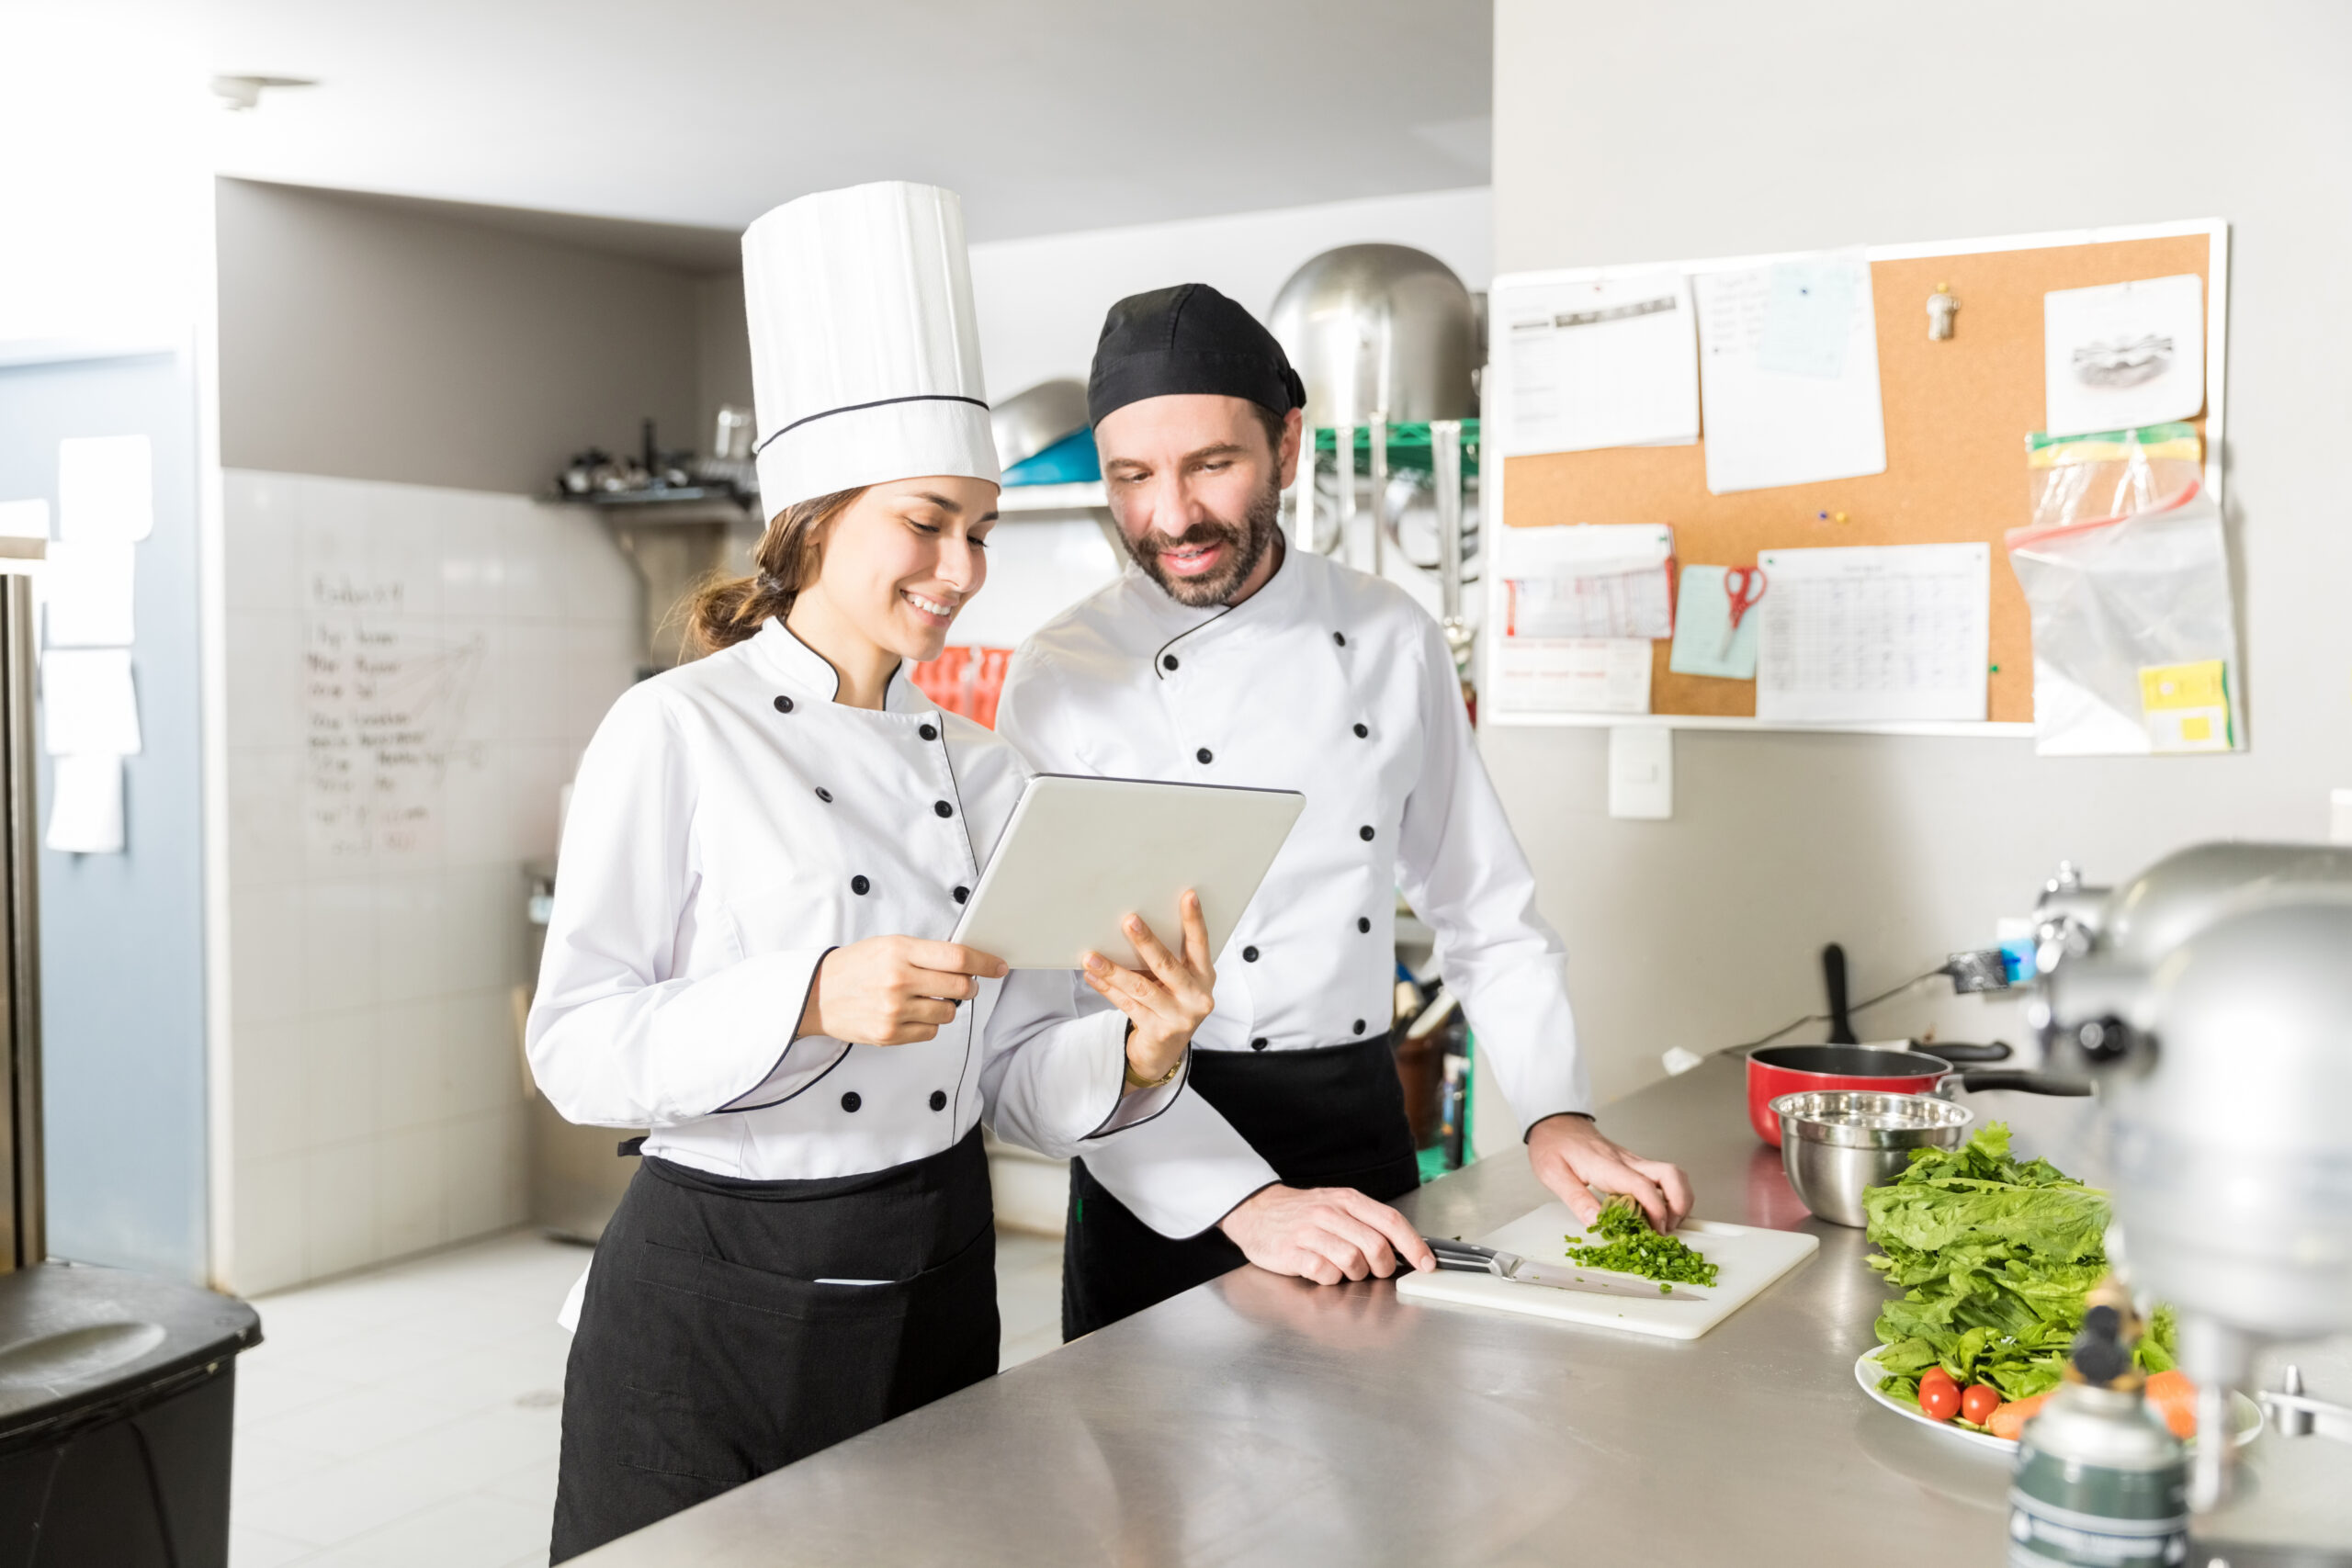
[{"x": 1749, "y": 1259}]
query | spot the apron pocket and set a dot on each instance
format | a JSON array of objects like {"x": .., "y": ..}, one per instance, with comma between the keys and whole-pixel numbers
[{"x": 753, "y": 1369}]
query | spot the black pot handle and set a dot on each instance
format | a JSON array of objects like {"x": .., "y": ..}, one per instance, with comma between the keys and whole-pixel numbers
[
  {"x": 1833, "y": 974},
  {"x": 1958, "y": 1052},
  {"x": 2024, "y": 1082}
]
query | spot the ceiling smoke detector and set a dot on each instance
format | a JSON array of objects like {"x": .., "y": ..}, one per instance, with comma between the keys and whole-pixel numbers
[{"x": 238, "y": 93}]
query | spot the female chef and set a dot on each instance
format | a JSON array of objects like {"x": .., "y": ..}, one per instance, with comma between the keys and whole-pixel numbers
[{"x": 764, "y": 849}]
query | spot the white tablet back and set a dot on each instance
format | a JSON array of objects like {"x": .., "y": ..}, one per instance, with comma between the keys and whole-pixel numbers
[{"x": 1079, "y": 854}]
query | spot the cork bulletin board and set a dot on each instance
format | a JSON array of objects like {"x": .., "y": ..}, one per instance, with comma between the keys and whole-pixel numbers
[{"x": 1957, "y": 412}]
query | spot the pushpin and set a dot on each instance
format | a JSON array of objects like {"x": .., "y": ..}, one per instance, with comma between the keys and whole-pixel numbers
[
  {"x": 1941, "y": 308},
  {"x": 1837, "y": 517}
]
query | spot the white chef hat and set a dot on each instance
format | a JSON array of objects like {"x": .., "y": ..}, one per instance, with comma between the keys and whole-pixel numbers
[{"x": 866, "y": 354}]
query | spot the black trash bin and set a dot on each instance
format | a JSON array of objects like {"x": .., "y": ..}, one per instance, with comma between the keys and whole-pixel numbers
[{"x": 116, "y": 1394}]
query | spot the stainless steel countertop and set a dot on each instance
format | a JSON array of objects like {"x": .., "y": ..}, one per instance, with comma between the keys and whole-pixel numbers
[{"x": 1262, "y": 1419}]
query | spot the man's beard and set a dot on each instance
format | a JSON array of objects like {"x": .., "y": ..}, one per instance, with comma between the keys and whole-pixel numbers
[{"x": 1246, "y": 543}]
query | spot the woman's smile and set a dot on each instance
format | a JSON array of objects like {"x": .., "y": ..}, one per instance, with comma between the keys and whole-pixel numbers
[{"x": 935, "y": 611}]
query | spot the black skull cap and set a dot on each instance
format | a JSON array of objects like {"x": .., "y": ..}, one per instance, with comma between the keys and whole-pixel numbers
[{"x": 1188, "y": 339}]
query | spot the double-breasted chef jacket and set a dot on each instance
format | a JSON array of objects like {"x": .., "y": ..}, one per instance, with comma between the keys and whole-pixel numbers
[
  {"x": 1333, "y": 683},
  {"x": 731, "y": 825}
]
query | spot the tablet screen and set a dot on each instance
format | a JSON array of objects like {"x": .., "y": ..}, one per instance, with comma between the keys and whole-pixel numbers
[{"x": 1081, "y": 853}]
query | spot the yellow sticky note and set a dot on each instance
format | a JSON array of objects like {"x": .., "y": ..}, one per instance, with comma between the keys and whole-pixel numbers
[{"x": 2186, "y": 707}]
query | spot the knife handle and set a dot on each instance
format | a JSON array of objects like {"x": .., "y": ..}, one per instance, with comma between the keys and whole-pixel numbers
[{"x": 1467, "y": 1255}]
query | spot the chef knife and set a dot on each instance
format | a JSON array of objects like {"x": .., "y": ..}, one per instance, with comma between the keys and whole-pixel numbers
[{"x": 1471, "y": 1257}]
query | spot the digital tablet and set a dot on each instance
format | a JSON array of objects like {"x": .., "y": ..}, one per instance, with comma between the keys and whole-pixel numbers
[{"x": 1080, "y": 855}]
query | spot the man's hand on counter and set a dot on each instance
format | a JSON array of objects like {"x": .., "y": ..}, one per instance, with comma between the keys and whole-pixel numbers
[
  {"x": 1324, "y": 1234},
  {"x": 1571, "y": 1157}
]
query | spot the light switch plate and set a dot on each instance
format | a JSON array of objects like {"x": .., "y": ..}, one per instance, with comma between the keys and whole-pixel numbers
[
  {"x": 1641, "y": 770},
  {"x": 2339, "y": 817}
]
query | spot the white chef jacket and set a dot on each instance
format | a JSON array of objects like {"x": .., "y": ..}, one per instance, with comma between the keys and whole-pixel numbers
[
  {"x": 731, "y": 825},
  {"x": 1335, "y": 683}
]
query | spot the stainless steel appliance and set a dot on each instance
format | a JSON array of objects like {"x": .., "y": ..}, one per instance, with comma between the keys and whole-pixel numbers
[
  {"x": 675, "y": 544},
  {"x": 23, "y": 1241},
  {"x": 1389, "y": 343},
  {"x": 2211, "y": 998},
  {"x": 117, "y": 1390}
]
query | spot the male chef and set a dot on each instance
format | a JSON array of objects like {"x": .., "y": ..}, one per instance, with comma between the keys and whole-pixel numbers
[{"x": 1221, "y": 655}]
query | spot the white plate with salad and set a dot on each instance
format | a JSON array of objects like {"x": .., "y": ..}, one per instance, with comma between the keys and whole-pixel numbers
[
  {"x": 2246, "y": 1416},
  {"x": 1983, "y": 1234}
]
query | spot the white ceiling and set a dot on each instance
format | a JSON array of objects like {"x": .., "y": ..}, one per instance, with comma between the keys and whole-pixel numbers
[{"x": 1045, "y": 115}]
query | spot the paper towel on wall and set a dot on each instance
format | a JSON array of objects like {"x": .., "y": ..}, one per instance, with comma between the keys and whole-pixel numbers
[
  {"x": 87, "y": 585},
  {"x": 89, "y": 706},
  {"x": 85, "y": 805}
]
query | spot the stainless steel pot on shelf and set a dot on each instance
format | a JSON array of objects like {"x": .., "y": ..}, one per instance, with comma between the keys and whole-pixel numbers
[
  {"x": 1385, "y": 335},
  {"x": 1380, "y": 330}
]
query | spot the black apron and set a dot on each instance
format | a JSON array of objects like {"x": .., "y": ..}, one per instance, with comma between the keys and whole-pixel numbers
[
  {"x": 707, "y": 1355},
  {"x": 1332, "y": 1116}
]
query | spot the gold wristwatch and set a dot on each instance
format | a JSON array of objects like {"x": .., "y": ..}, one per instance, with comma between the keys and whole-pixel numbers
[{"x": 1129, "y": 1063}]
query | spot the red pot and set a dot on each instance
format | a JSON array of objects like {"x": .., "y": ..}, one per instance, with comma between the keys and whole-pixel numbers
[{"x": 1776, "y": 1070}]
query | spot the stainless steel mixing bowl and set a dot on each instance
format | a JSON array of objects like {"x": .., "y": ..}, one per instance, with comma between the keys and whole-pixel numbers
[{"x": 1838, "y": 1143}]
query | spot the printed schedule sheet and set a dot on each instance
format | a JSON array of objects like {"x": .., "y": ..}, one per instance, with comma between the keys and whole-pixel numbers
[{"x": 1887, "y": 634}]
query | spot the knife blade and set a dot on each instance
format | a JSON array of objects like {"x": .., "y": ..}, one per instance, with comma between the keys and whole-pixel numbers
[
  {"x": 1567, "y": 1277},
  {"x": 1470, "y": 1256}
]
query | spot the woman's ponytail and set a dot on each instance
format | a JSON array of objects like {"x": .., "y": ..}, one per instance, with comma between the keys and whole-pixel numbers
[{"x": 725, "y": 610}]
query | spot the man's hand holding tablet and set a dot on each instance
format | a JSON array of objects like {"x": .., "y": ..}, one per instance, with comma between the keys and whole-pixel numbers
[{"x": 1165, "y": 1005}]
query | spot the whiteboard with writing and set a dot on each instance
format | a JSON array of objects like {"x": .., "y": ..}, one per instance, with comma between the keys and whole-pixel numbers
[{"x": 384, "y": 701}]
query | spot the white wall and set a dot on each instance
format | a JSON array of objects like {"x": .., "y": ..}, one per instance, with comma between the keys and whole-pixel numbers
[
  {"x": 1695, "y": 129},
  {"x": 376, "y": 930},
  {"x": 382, "y": 342},
  {"x": 108, "y": 189},
  {"x": 1041, "y": 301}
]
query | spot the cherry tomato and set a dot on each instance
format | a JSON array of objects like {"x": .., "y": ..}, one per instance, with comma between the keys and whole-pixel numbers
[
  {"x": 1938, "y": 1398},
  {"x": 1977, "y": 1402},
  {"x": 1939, "y": 1378}
]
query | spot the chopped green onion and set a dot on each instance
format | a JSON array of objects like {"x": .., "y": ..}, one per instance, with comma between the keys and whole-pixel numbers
[{"x": 1628, "y": 1246}]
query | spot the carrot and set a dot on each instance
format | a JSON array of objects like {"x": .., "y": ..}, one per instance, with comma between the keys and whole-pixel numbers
[
  {"x": 2009, "y": 1421},
  {"x": 2174, "y": 1398}
]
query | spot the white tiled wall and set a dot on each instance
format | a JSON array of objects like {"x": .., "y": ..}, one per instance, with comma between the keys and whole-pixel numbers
[{"x": 376, "y": 883}]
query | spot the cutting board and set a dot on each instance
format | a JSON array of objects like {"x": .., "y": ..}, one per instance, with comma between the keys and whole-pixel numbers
[{"x": 1747, "y": 1259}]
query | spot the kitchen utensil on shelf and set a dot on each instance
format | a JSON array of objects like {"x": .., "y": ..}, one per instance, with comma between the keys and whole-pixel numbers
[
  {"x": 731, "y": 433},
  {"x": 1470, "y": 1257},
  {"x": 1776, "y": 1070},
  {"x": 1037, "y": 418},
  {"x": 1837, "y": 1144}
]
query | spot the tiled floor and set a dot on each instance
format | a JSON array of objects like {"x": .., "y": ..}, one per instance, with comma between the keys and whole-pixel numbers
[{"x": 411, "y": 1415}]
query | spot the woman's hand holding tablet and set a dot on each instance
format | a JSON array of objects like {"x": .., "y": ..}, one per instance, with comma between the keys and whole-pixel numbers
[
  {"x": 1166, "y": 1005},
  {"x": 893, "y": 991},
  {"x": 899, "y": 990}
]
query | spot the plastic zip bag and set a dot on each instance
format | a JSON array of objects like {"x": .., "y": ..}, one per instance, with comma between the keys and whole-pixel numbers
[
  {"x": 2080, "y": 478},
  {"x": 2134, "y": 636}
]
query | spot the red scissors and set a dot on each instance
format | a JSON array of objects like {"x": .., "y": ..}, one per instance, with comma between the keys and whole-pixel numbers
[{"x": 1742, "y": 585}]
